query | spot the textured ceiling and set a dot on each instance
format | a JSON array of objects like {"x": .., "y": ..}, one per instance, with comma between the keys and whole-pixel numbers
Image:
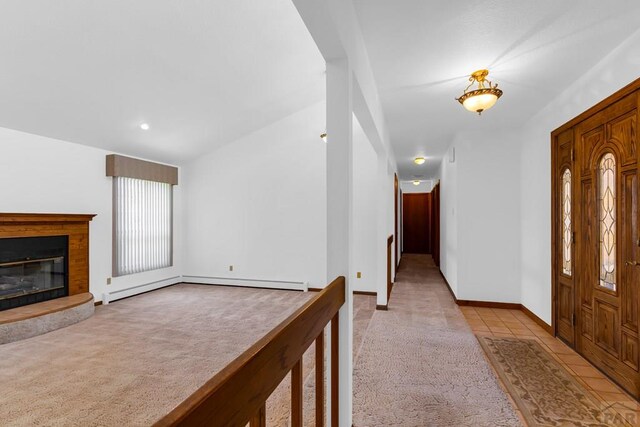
[
  {"x": 201, "y": 73},
  {"x": 422, "y": 52}
]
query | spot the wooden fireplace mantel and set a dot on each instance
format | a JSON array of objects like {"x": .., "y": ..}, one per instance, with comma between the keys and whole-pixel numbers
[
  {"x": 39, "y": 218},
  {"x": 75, "y": 226}
]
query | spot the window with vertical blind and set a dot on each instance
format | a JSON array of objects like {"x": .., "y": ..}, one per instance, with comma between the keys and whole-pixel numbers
[
  {"x": 142, "y": 214},
  {"x": 143, "y": 225}
]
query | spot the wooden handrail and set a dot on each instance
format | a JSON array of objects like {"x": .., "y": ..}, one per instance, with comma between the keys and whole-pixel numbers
[{"x": 236, "y": 394}]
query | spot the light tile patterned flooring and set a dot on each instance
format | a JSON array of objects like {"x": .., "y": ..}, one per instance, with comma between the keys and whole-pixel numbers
[{"x": 514, "y": 323}]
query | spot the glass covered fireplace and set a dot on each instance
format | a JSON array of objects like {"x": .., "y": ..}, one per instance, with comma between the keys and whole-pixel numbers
[{"x": 33, "y": 269}]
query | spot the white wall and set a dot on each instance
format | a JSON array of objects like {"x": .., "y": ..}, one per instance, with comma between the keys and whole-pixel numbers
[
  {"x": 449, "y": 222},
  {"x": 365, "y": 230},
  {"x": 259, "y": 204},
  {"x": 44, "y": 175},
  {"x": 488, "y": 217},
  {"x": 480, "y": 211},
  {"x": 613, "y": 72},
  {"x": 408, "y": 187}
]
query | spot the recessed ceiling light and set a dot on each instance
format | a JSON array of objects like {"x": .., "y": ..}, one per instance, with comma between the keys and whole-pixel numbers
[
  {"x": 323, "y": 136},
  {"x": 144, "y": 126},
  {"x": 419, "y": 160},
  {"x": 416, "y": 182}
]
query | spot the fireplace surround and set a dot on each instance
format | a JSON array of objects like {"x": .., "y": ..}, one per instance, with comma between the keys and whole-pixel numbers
[{"x": 42, "y": 257}]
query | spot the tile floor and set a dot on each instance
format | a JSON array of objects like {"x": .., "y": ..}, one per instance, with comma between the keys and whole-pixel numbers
[{"x": 514, "y": 323}]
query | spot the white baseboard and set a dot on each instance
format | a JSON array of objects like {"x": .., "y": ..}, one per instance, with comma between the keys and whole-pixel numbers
[
  {"x": 252, "y": 283},
  {"x": 108, "y": 297}
]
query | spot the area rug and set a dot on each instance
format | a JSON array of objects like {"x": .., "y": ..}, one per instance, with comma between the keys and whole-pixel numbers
[{"x": 546, "y": 394}]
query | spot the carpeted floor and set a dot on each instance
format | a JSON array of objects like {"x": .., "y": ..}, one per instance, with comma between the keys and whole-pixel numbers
[
  {"x": 420, "y": 364},
  {"x": 279, "y": 404},
  {"x": 135, "y": 359}
]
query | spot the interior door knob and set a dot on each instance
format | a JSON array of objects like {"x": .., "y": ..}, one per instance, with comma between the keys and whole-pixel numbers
[{"x": 632, "y": 263}]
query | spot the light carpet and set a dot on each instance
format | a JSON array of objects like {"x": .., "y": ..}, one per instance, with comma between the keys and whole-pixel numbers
[
  {"x": 279, "y": 404},
  {"x": 135, "y": 359},
  {"x": 420, "y": 364}
]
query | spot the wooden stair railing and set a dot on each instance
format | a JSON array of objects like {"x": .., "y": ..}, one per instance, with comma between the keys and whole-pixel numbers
[{"x": 238, "y": 393}]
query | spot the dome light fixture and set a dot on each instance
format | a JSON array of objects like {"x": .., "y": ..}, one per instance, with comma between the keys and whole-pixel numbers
[
  {"x": 416, "y": 182},
  {"x": 323, "y": 137},
  {"x": 144, "y": 126},
  {"x": 482, "y": 98},
  {"x": 419, "y": 160}
]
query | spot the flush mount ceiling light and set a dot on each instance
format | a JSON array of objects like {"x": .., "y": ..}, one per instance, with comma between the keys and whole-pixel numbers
[
  {"x": 144, "y": 126},
  {"x": 416, "y": 182},
  {"x": 419, "y": 160},
  {"x": 482, "y": 98},
  {"x": 323, "y": 137}
]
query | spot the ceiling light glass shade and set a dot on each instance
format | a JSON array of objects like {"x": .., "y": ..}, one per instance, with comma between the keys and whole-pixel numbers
[
  {"x": 416, "y": 182},
  {"x": 419, "y": 160},
  {"x": 482, "y": 98},
  {"x": 480, "y": 102}
]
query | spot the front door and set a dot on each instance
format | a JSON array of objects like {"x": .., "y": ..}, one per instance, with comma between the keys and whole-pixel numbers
[{"x": 607, "y": 256}]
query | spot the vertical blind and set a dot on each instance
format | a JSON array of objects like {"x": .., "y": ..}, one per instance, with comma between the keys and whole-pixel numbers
[{"x": 143, "y": 225}]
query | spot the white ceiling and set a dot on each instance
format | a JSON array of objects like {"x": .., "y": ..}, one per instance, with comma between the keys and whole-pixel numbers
[
  {"x": 201, "y": 73},
  {"x": 422, "y": 51}
]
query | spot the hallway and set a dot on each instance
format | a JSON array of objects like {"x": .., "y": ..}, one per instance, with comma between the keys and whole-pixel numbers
[{"x": 420, "y": 364}]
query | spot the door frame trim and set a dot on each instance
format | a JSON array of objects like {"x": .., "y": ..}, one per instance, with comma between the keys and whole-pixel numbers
[{"x": 608, "y": 101}]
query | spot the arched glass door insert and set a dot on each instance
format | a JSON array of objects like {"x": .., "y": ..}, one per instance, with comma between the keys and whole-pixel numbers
[{"x": 607, "y": 218}]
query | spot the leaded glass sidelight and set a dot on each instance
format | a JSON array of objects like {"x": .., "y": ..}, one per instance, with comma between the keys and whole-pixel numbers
[
  {"x": 566, "y": 222},
  {"x": 607, "y": 213}
]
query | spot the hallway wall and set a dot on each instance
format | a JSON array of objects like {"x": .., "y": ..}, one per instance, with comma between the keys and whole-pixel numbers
[
  {"x": 408, "y": 187},
  {"x": 365, "y": 232},
  {"x": 480, "y": 214},
  {"x": 449, "y": 221},
  {"x": 489, "y": 213}
]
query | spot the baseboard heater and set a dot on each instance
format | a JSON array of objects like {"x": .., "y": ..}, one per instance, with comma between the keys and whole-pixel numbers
[
  {"x": 252, "y": 283},
  {"x": 108, "y": 297}
]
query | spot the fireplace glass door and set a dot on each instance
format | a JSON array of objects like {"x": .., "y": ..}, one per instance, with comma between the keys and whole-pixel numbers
[
  {"x": 32, "y": 269},
  {"x": 31, "y": 276}
]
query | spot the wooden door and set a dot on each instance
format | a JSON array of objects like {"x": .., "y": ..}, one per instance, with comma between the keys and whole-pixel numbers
[
  {"x": 416, "y": 219},
  {"x": 395, "y": 217},
  {"x": 389, "y": 263},
  {"x": 435, "y": 224},
  {"x": 564, "y": 184},
  {"x": 607, "y": 241}
]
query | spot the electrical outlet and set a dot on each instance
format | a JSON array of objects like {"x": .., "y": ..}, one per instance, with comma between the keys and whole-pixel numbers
[
  {"x": 231, "y": 268},
  {"x": 359, "y": 275},
  {"x": 108, "y": 280}
]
